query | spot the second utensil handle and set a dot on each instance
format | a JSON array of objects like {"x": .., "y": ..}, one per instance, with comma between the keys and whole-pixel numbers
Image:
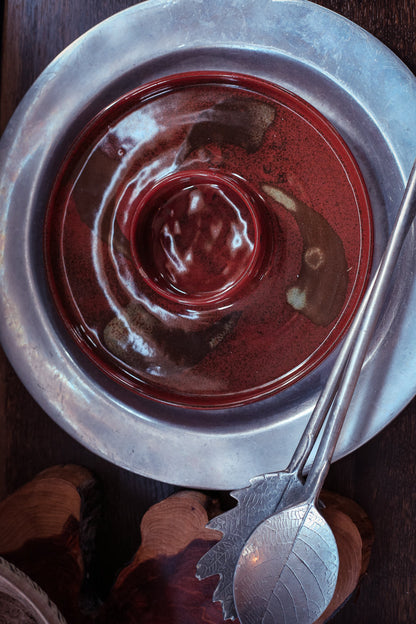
[{"x": 358, "y": 338}]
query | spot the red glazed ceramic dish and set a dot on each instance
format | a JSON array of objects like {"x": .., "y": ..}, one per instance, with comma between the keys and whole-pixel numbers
[{"x": 208, "y": 239}]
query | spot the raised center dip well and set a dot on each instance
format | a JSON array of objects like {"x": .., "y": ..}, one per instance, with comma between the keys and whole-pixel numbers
[{"x": 208, "y": 239}]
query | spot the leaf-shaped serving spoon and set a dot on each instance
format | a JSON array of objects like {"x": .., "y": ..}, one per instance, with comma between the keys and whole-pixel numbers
[
  {"x": 288, "y": 568},
  {"x": 265, "y": 495},
  {"x": 269, "y": 493}
]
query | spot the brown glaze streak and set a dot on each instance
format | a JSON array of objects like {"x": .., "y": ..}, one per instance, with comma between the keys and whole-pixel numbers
[
  {"x": 234, "y": 121},
  {"x": 143, "y": 341},
  {"x": 320, "y": 290}
]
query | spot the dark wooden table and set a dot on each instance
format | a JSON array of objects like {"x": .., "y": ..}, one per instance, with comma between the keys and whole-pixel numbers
[{"x": 381, "y": 476}]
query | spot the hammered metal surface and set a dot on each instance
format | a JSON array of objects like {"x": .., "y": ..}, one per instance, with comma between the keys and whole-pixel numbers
[{"x": 288, "y": 570}]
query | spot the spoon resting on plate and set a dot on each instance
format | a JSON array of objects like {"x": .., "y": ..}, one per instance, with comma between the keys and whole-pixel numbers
[
  {"x": 274, "y": 492},
  {"x": 288, "y": 568}
]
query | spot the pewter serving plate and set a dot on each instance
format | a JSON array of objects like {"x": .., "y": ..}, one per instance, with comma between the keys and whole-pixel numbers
[{"x": 352, "y": 79}]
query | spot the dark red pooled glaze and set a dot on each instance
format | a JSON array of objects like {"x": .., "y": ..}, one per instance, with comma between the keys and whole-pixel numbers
[{"x": 208, "y": 239}]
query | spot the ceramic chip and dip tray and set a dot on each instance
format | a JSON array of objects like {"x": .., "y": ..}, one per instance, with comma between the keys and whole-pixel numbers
[{"x": 193, "y": 198}]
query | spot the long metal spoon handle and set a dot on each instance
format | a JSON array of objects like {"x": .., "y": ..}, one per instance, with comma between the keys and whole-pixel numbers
[
  {"x": 325, "y": 400},
  {"x": 351, "y": 357}
]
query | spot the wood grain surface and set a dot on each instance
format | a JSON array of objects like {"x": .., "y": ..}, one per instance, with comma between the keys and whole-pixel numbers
[{"x": 381, "y": 476}]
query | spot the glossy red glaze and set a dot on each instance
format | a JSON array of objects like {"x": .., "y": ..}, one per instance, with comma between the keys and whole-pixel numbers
[
  {"x": 196, "y": 237},
  {"x": 208, "y": 239}
]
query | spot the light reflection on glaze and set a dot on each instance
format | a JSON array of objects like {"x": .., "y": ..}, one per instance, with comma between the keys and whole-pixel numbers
[
  {"x": 137, "y": 347},
  {"x": 201, "y": 240}
]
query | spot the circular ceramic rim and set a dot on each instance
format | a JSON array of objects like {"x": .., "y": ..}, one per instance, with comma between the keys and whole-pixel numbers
[
  {"x": 224, "y": 449},
  {"x": 206, "y": 297},
  {"x": 311, "y": 116}
]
